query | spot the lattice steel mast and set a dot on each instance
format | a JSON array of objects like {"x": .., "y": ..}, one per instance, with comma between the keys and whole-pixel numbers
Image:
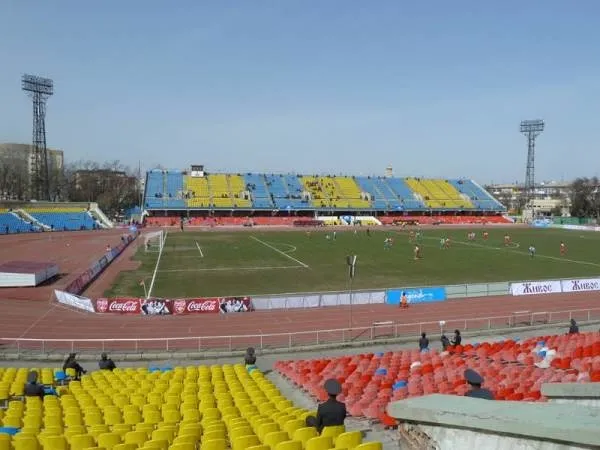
[
  {"x": 531, "y": 129},
  {"x": 39, "y": 89}
]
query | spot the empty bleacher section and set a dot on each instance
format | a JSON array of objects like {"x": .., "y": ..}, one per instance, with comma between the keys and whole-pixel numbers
[
  {"x": 439, "y": 194},
  {"x": 63, "y": 218},
  {"x": 164, "y": 189},
  {"x": 287, "y": 192},
  {"x": 290, "y": 192},
  {"x": 186, "y": 408},
  {"x": 406, "y": 196},
  {"x": 479, "y": 197},
  {"x": 12, "y": 223},
  {"x": 257, "y": 186},
  {"x": 513, "y": 370}
]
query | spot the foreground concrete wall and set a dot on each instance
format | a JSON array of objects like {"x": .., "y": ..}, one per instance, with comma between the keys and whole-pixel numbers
[
  {"x": 450, "y": 422},
  {"x": 582, "y": 394}
]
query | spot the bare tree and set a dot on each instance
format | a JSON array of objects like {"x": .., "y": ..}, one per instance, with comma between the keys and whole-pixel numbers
[{"x": 14, "y": 176}]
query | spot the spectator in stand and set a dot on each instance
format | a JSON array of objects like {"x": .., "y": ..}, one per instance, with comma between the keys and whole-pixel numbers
[
  {"x": 574, "y": 328},
  {"x": 457, "y": 339},
  {"x": 71, "y": 363},
  {"x": 250, "y": 359},
  {"x": 32, "y": 388},
  {"x": 445, "y": 342},
  {"x": 475, "y": 381},
  {"x": 332, "y": 412},
  {"x": 424, "y": 343},
  {"x": 106, "y": 363}
]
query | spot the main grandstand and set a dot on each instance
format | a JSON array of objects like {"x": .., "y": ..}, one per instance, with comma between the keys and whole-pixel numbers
[{"x": 177, "y": 192}]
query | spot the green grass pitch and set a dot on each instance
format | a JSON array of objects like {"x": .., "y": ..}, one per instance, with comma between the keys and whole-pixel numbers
[{"x": 254, "y": 262}]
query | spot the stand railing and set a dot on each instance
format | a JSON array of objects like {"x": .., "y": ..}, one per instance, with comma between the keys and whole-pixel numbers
[{"x": 288, "y": 341}]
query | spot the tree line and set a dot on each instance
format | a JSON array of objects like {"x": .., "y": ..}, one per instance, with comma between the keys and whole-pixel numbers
[
  {"x": 585, "y": 197},
  {"x": 113, "y": 185}
]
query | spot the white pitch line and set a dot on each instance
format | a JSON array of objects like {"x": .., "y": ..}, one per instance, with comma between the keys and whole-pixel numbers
[
  {"x": 553, "y": 258},
  {"x": 279, "y": 251},
  {"x": 157, "y": 264},
  {"x": 217, "y": 269},
  {"x": 199, "y": 249}
]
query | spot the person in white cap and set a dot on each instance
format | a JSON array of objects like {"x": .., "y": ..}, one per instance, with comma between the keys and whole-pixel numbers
[{"x": 331, "y": 412}]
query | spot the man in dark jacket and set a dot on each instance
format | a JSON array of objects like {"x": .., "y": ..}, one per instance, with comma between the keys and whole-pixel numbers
[
  {"x": 71, "y": 363},
  {"x": 331, "y": 412},
  {"x": 32, "y": 388},
  {"x": 574, "y": 328},
  {"x": 250, "y": 357},
  {"x": 476, "y": 380},
  {"x": 106, "y": 363},
  {"x": 424, "y": 342}
]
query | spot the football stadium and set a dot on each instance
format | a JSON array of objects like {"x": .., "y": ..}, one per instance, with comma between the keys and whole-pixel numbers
[{"x": 184, "y": 307}]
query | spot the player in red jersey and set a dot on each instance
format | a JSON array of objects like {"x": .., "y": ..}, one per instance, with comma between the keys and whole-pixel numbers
[{"x": 563, "y": 249}]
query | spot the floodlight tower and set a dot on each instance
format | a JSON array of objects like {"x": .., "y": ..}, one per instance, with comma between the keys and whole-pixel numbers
[
  {"x": 532, "y": 129},
  {"x": 39, "y": 90}
]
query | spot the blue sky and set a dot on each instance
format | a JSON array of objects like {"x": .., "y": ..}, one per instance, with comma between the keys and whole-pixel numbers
[{"x": 434, "y": 88}]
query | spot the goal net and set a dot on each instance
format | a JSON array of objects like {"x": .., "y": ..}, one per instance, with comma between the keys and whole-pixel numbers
[{"x": 153, "y": 242}]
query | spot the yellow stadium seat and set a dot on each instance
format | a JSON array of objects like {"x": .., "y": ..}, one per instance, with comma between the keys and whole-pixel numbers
[
  {"x": 55, "y": 443},
  {"x": 292, "y": 425},
  {"x": 370, "y": 446},
  {"x": 275, "y": 437},
  {"x": 214, "y": 444},
  {"x": 163, "y": 435},
  {"x": 259, "y": 447},
  {"x": 333, "y": 431},
  {"x": 243, "y": 442},
  {"x": 304, "y": 434},
  {"x": 184, "y": 446},
  {"x": 266, "y": 428},
  {"x": 348, "y": 440},
  {"x": 319, "y": 443},
  {"x": 289, "y": 445},
  {"x": 25, "y": 443},
  {"x": 125, "y": 447},
  {"x": 81, "y": 442},
  {"x": 160, "y": 444},
  {"x": 5, "y": 444},
  {"x": 136, "y": 437},
  {"x": 109, "y": 440}
]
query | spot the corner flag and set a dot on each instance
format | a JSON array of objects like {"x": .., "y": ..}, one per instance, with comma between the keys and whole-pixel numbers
[{"x": 351, "y": 261}]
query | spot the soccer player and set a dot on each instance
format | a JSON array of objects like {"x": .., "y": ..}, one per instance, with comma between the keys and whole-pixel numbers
[
  {"x": 442, "y": 243},
  {"x": 507, "y": 240},
  {"x": 387, "y": 244},
  {"x": 411, "y": 236},
  {"x": 486, "y": 235},
  {"x": 531, "y": 251},
  {"x": 417, "y": 252},
  {"x": 418, "y": 236},
  {"x": 563, "y": 249},
  {"x": 447, "y": 243}
]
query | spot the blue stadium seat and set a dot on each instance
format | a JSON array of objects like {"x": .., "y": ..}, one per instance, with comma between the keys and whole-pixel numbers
[
  {"x": 257, "y": 185},
  {"x": 406, "y": 195},
  {"x": 381, "y": 194},
  {"x": 164, "y": 189},
  {"x": 15, "y": 224},
  {"x": 69, "y": 221},
  {"x": 287, "y": 191},
  {"x": 478, "y": 196}
]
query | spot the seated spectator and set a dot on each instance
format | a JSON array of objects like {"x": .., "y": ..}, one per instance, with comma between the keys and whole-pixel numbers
[
  {"x": 71, "y": 363},
  {"x": 424, "y": 343},
  {"x": 106, "y": 363},
  {"x": 475, "y": 381},
  {"x": 32, "y": 388},
  {"x": 250, "y": 357},
  {"x": 332, "y": 412},
  {"x": 574, "y": 328}
]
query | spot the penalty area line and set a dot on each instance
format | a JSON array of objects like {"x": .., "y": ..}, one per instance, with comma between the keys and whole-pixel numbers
[
  {"x": 160, "y": 252},
  {"x": 199, "y": 249},
  {"x": 228, "y": 269},
  {"x": 266, "y": 244}
]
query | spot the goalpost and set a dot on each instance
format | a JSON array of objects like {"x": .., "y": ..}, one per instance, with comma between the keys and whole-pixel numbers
[{"x": 154, "y": 241}]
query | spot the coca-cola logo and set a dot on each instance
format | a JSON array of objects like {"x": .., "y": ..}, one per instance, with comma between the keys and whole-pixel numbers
[
  {"x": 102, "y": 305},
  {"x": 204, "y": 305},
  {"x": 179, "y": 306},
  {"x": 585, "y": 285},
  {"x": 531, "y": 288},
  {"x": 127, "y": 306}
]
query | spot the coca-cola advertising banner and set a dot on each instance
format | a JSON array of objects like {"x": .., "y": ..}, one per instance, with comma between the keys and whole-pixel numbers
[
  {"x": 161, "y": 307},
  {"x": 119, "y": 305},
  {"x": 214, "y": 305},
  {"x": 535, "y": 288},
  {"x": 583, "y": 285}
]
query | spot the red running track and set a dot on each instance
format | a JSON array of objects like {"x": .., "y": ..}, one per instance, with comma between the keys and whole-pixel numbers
[{"x": 35, "y": 320}]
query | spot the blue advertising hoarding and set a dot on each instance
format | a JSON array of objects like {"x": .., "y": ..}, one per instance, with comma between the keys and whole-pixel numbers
[{"x": 416, "y": 295}]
